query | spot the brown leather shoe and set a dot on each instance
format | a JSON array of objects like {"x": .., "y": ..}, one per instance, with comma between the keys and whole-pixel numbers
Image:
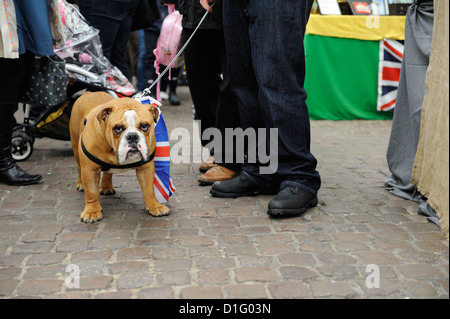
[
  {"x": 206, "y": 165},
  {"x": 215, "y": 174}
]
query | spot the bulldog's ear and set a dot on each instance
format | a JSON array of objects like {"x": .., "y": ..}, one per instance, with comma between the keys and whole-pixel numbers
[
  {"x": 155, "y": 112},
  {"x": 104, "y": 113}
]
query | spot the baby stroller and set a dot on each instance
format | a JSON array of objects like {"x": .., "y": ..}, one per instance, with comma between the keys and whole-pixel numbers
[{"x": 87, "y": 70}]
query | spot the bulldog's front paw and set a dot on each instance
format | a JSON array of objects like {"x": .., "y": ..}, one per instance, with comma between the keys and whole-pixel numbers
[
  {"x": 91, "y": 216},
  {"x": 158, "y": 210},
  {"x": 107, "y": 190}
]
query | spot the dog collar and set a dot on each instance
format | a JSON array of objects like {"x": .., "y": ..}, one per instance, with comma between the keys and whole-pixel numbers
[{"x": 107, "y": 166}]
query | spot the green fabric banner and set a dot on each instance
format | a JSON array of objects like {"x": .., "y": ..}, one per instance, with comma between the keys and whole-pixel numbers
[{"x": 342, "y": 78}]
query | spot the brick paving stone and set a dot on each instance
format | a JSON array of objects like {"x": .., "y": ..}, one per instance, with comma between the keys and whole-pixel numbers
[
  {"x": 213, "y": 276},
  {"x": 335, "y": 259},
  {"x": 46, "y": 259},
  {"x": 240, "y": 250},
  {"x": 339, "y": 271},
  {"x": 324, "y": 289},
  {"x": 47, "y": 271},
  {"x": 222, "y": 248},
  {"x": 95, "y": 282},
  {"x": 71, "y": 295},
  {"x": 73, "y": 245},
  {"x": 33, "y": 287},
  {"x": 91, "y": 255},
  {"x": 91, "y": 267},
  {"x": 227, "y": 240},
  {"x": 289, "y": 290},
  {"x": 203, "y": 251},
  {"x": 305, "y": 259},
  {"x": 261, "y": 274},
  {"x": 173, "y": 278},
  {"x": 378, "y": 257},
  {"x": 246, "y": 291},
  {"x": 156, "y": 293},
  {"x": 9, "y": 272},
  {"x": 110, "y": 243},
  {"x": 7, "y": 287},
  {"x": 297, "y": 273},
  {"x": 34, "y": 247},
  {"x": 168, "y": 252},
  {"x": 419, "y": 271},
  {"x": 134, "y": 253},
  {"x": 422, "y": 289},
  {"x": 134, "y": 280},
  {"x": 128, "y": 266},
  {"x": 253, "y": 260},
  {"x": 276, "y": 248},
  {"x": 195, "y": 241},
  {"x": 114, "y": 295},
  {"x": 199, "y": 292}
]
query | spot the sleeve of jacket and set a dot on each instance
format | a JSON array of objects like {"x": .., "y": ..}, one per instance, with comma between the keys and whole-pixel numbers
[
  {"x": 9, "y": 40},
  {"x": 56, "y": 23}
]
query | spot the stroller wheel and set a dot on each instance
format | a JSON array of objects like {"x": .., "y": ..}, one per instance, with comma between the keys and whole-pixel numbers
[
  {"x": 21, "y": 147},
  {"x": 23, "y": 130}
]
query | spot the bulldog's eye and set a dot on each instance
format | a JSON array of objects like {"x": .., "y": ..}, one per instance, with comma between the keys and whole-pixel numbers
[
  {"x": 118, "y": 129},
  {"x": 144, "y": 127}
]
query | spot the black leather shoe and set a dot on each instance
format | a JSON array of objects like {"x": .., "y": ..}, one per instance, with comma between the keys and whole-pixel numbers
[
  {"x": 291, "y": 201},
  {"x": 15, "y": 176},
  {"x": 239, "y": 186}
]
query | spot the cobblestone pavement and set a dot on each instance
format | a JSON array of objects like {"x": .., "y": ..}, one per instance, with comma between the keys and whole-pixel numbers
[{"x": 222, "y": 248}]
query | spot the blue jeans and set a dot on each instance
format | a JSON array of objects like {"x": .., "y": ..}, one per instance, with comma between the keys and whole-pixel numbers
[
  {"x": 266, "y": 60},
  {"x": 113, "y": 18}
]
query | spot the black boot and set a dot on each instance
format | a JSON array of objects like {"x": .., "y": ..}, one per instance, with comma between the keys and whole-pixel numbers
[
  {"x": 239, "y": 186},
  {"x": 10, "y": 172},
  {"x": 173, "y": 98},
  {"x": 291, "y": 201}
]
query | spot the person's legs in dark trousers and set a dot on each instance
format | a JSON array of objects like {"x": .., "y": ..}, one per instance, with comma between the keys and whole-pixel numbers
[
  {"x": 141, "y": 63},
  {"x": 151, "y": 41},
  {"x": 14, "y": 75},
  {"x": 279, "y": 64},
  {"x": 268, "y": 71},
  {"x": 227, "y": 165},
  {"x": 173, "y": 84},
  {"x": 242, "y": 75},
  {"x": 119, "y": 46},
  {"x": 133, "y": 56},
  {"x": 227, "y": 112},
  {"x": 113, "y": 19},
  {"x": 203, "y": 72}
]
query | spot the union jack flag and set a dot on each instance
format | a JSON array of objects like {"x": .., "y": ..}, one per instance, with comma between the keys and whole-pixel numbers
[
  {"x": 163, "y": 184},
  {"x": 391, "y": 55}
]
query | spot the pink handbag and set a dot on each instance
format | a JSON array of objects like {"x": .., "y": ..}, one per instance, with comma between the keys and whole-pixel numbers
[{"x": 169, "y": 42}]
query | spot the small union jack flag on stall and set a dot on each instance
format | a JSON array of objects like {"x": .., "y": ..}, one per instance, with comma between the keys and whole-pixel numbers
[
  {"x": 391, "y": 55},
  {"x": 163, "y": 184}
]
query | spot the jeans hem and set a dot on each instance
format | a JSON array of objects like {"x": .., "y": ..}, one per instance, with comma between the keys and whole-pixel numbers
[
  {"x": 299, "y": 185},
  {"x": 248, "y": 176}
]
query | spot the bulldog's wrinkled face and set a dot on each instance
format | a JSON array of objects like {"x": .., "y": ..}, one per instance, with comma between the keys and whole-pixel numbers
[
  {"x": 132, "y": 146},
  {"x": 129, "y": 131}
]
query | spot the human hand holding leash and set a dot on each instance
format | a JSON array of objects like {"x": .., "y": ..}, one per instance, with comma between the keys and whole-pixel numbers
[{"x": 205, "y": 4}]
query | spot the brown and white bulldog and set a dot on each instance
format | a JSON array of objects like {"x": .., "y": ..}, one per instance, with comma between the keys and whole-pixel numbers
[{"x": 109, "y": 134}]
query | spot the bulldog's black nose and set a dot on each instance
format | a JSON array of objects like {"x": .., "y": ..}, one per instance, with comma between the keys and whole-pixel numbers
[{"x": 133, "y": 139}]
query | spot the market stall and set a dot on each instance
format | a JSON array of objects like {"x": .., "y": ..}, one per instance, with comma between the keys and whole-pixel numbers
[{"x": 352, "y": 66}]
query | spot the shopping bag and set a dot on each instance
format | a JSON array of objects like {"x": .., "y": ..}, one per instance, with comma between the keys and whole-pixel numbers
[{"x": 48, "y": 84}]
